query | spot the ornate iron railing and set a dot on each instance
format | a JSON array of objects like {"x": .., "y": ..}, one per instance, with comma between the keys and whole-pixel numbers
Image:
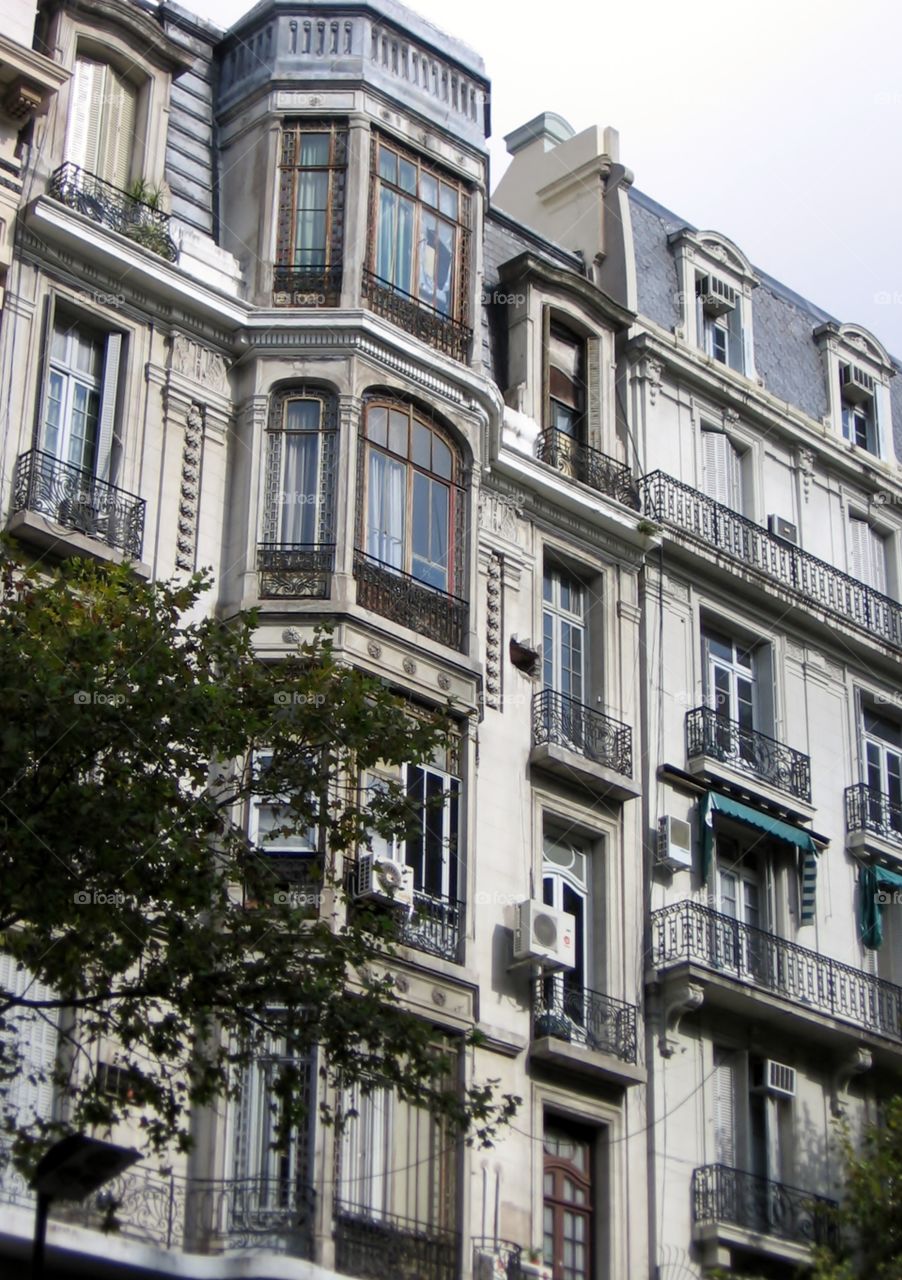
[
  {"x": 404, "y": 599},
  {"x": 687, "y": 932},
  {"x": 308, "y": 286},
  {"x": 565, "y": 722},
  {"x": 874, "y": 811},
  {"x": 394, "y": 1247},
  {"x": 111, "y": 207},
  {"x": 496, "y": 1259},
  {"x": 724, "y": 1195},
  {"x": 76, "y": 499},
  {"x": 582, "y": 462},
  {"x": 665, "y": 498},
  {"x": 709, "y": 734},
  {"x": 295, "y": 880},
  {"x": 584, "y": 1017},
  {"x": 434, "y": 926},
  {"x": 295, "y": 570},
  {"x": 193, "y": 1215},
  {"x": 416, "y": 317}
]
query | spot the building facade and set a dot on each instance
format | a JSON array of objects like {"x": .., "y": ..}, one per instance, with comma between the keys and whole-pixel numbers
[{"x": 582, "y": 469}]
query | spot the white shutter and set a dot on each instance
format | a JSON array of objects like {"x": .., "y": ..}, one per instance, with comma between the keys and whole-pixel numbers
[
  {"x": 735, "y": 353},
  {"x": 877, "y": 550},
  {"x": 720, "y": 463},
  {"x": 108, "y": 396},
  {"x": 118, "y": 131},
  {"x": 724, "y": 1081},
  {"x": 867, "y": 554},
  {"x": 84, "y": 107},
  {"x": 36, "y": 1037}
]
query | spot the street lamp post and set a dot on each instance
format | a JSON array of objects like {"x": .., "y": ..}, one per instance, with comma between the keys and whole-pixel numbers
[{"x": 72, "y": 1169}]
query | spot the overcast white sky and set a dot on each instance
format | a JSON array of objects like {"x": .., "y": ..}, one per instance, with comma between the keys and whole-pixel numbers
[{"x": 776, "y": 122}]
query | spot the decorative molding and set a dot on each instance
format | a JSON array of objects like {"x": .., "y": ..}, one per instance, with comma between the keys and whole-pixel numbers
[
  {"x": 195, "y": 361},
  {"x": 499, "y": 513},
  {"x": 189, "y": 490},
  {"x": 805, "y": 464},
  {"x": 444, "y": 682},
  {"x": 677, "y": 589},
  {"x": 858, "y": 1061},
  {"x": 795, "y": 650},
  {"x": 374, "y": 649},
  {"x": 679, "y": 1000},
  {"x": 291, "y": 635},
  {"x": 494, "y": 629},
  {"x": 409, "y": 667}
]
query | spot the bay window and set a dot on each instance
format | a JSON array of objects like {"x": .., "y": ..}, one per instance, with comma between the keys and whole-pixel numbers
[{"x": 312, "y": 175}]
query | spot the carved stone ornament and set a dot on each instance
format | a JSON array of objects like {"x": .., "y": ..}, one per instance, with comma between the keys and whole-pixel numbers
[
  {"x": 291, "y": 635},
  {"x": 189, "y": 490},
  {"x": 374, "y": 649},
  {"x": 805, "y": 463},
  {"x": 493, "y": 628},
  {"x": 499, "y": 513},
  {"x": 444, "y": 682},
  {"x": 409, "y": 667},
  {"x": 195, "y": 361}
]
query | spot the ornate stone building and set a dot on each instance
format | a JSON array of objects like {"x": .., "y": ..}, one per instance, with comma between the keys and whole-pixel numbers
[{"x": 579, "y": 467}]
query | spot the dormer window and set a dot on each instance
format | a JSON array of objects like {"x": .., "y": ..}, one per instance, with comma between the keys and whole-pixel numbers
[
  {"x": 566, "y": 382},
  {"x": 858, "y": 370},
  {"x": 859, "y": 409},
  {"x": 103, "y": 118},
  {"x": 719, "y": 321},
  {"x": 716, "y": 282}
]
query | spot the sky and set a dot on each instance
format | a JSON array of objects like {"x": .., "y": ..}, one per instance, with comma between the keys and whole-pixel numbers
[{"x": 775, "y": 122}]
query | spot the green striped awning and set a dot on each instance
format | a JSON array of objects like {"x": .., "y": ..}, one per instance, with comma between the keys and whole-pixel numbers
[
  {"x": 870, "y": 882},
  {"x": 712, "y": 802}
]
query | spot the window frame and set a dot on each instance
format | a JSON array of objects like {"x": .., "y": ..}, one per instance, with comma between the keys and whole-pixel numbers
[
  {"x": 561, "y": 332},
  {"x": 459, "y": 307},
  {"x": 277, "y": 434},
  {"x": 555, "y": 614},
  {"x": 325, "y": 273},
  {"x": 561, "y": 1171}
]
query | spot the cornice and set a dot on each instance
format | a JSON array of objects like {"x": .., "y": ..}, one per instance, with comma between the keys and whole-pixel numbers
[
  {"x": 137, "y": 23},
  {"x": 529, "y": 266}
]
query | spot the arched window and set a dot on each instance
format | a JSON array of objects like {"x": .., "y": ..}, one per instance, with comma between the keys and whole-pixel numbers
[
  {"x": 413, "y": 501},
  {"x": 103, "y": 121}
]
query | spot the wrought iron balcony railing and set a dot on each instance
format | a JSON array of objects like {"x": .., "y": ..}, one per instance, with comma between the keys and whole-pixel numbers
[
  {"x": 404, "y": 599},
  {"x": 295, "y": 570},
  {"x": 582, "y": 462},
  {"x": 874, "y": 811},
  {"x": 729, "y": 1196},
  {"x": 562, "y": 721},
  {"x": 494, "y": 1258},
  {"x": 389, "y": 1246},
  {"x": 191, "y": 1215},
  {"x": 307, "y": 286},
  {"x": 584, "y": 1017},
  {"x": 434, "y": 924},
  {"x": 818, "y": 583},
  {"x": 709, "y": 734},
  {"x": 416, "y": 317},
  {"x": 77, "y": 500},
  {"x": 102, "y": 202},
  {"x": 687, "y": 932}
]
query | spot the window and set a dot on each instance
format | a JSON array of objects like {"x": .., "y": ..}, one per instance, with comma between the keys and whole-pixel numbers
[
  {"x": 883, "y": 771},
  {"x": 752, "y": 1128},
  {"x": 564, "y": 634},
  {"x": 300, "y": 468},
  {"x": 275, "y": 1175},
  {"x": 414, "y": 500},
  {"x": 285, "y": 862},
  {"x": 421, "y": 219},
  {"x": 312, "y": 173},
  {"x": 859, "y": 407},
  {"x": 867, "y": 554},
  {"x": 80, "y": 395},
  {"x": 719, "y": 321},
  {"x": 566, "y": 382},
  {"x": 396, "y": 1163},
  {"x": 29, "y": 1093},
  {"x": 101, "y": 136},
  {"x": 568, "y": 1202},
  {"x": 565, "y": 885},
  {"x": 730, "y": 683},
  {"x": 739, "y": 942},
  {"x": 721, "y": 469}
]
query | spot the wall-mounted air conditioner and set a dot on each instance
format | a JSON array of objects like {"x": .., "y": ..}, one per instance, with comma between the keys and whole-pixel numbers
[
  {"x": 545, "y": 934},
  {"x": 773, "y": 1078},
  {"x": 716, "y": 296},
  {"x": 674, "y": 844},
  {"x": 784, "y": 529},
  {"x": 857, "y": 386},
  {"x": 383, "y": 878}
]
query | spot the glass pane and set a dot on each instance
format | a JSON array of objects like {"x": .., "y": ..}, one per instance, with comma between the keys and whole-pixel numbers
[
  {"x": 441, "y": 458},
  {"x": 430, "y": 531},
  {"x": 428, "y": 189},
  {"x": 385, "y": 509},
  {"x": 300, "y": 487},
  {"x": 422, "y": 446},
  {"x": 728, "y": 894},
  {"x": 722, "y": 700},
  {"x": 87, "y": 353},
  {"x": 448, "y": 204},
  {"x": 444, "y": 282},
  {"x": 746, "y": 716},
  {"x": 54, "y": 413},
  {"x": 302, "y": 415},
  {"x": 407, "y": 178},
  {"x": 548, "y": 650},
  {"x": 547, "y": 586},
  {"x": 397, "y": 432},
  {"x": 83, "y": 427},
  {"x": 388, "y": 165},
  {"x": 314, "y": 149},
  {"x": 377, "y": 425},
  {"x": 428, "y": 248}
]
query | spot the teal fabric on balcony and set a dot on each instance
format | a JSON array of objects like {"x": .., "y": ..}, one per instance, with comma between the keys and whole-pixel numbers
[
  {"x": 870, "y": 882},
  {"x": 712, "y": 803}
]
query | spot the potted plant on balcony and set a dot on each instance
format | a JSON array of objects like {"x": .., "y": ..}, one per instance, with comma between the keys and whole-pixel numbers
[
  {"x": 147, "y": 230},
  {"x": 532, "y": 1264}
]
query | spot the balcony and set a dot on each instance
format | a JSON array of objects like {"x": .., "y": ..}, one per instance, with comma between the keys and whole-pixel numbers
[
  {"x": 433, "y": 925},
  {"x": 295, "y": 570},
  {"x": 495, "y": 1259},
  {"x": 871, "y": 813},
  {"x": 585, "y": 1030},
  {"x": 710, "y": 736},
  {"x": 189, "y": 1215},
  {"x": 818, "y": 584},
  {"x": 102, "y": 202},
  {"x": 416, "y": 317},
  {"x": 307, "y": 286},
  {"x": 755, "y": 972},
  {"x": 389, "y": 1246},
  {"x": 582, "y": 462},
  {"x": 76, "y": 500},
  {"x": 403, "y": 599},
  {"x": 579, "y": 743},
  {"x": 754, "y": 1213}
]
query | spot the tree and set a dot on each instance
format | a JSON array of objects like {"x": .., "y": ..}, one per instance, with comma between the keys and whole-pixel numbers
[{"x": 132, "y": 733}]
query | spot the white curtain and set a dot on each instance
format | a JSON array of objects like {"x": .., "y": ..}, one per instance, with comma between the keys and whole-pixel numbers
[
  {"x": 300, "y": 485},
  {"x": 387, "y": 492}
]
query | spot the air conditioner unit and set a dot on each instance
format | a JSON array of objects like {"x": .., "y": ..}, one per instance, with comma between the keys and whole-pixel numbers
[
  {"x": 674, "y": 844},
  {"x": 773, "y": 1078},
  {"x": 784, "y": 529},
  {"x": 856, "y": 385},
  {"x": 545, "y": 934},
  {"x": 383, "y": 878},
  {"x": 716, "y": 296}
]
